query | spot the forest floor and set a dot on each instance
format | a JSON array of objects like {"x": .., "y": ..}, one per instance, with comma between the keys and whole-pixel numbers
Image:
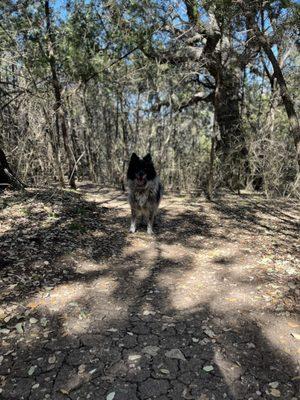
[{"x": 206, "y": 309}]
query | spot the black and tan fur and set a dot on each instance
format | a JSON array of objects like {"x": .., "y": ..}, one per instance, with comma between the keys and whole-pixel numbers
[{"x": 145, "y": 190}]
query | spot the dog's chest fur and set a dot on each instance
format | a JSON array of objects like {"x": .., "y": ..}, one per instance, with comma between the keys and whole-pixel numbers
[
  {"x": 141, "y": 198},
  {"x": 147, "y": 197}
]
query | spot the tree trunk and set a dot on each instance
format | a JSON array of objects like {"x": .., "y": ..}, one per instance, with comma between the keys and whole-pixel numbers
[
  {"x": 231, "y": 147},
  {"x": 7, "y": 176},
  {"x": 58, "y": 105},
  {"x": 286, "y": 98},
  {"x": 277, "y": 71}
]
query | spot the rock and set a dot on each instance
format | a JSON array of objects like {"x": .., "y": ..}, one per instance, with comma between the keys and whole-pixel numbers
[
  {"x": 149, "y": 312},
  {"x": 81, "y": 369},
  {"x": 153, "y": 387},
  {"x": 210, "y": 333},
  {"x": 110, "y": 396},
  {"x": 134, "y": 357},
  {"x": 274, "y": 385},
  {"x": 35, "y": 386},
  {"x": 203, "y": 397},
  {"x": 33, "y": 320},
  {"x": 151, "y": 350},
  {"x": 175, "y": 353},
  {"x": 208, "y": 368},
  {"x": 32, "y": 370},
  {"x": 19, "y": 328},
  {"x": 52, "y": 359}
]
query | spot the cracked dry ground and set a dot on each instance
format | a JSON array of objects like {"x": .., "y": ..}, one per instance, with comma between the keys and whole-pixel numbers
[{"x": 206, "y": 309}]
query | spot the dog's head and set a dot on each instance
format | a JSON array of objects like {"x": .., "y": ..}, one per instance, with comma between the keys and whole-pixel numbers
[{"x": 141, "y": 170}]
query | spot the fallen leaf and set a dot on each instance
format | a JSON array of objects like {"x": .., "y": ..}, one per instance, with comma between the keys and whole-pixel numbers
[
  {"x": 44, "y": 321},
  {"x": 92, "y": 371},
  {"x": 164, "y": 371},
  {"x": 275, "y": 392},
  {"x": 293, "y": 324}
]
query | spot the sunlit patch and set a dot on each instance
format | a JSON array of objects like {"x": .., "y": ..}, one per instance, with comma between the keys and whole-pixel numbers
[
  {"x": 230, "y": 370},
  {"x": 104, "y": 285},
  {"x": 58, "y": 298},
  {"x": 174, "y": 252},
  {"x": 279, "y": 331},
  {"x": 183, "y": 301},
  {"x": 97, "y": 234},
  {"x": 85, "y": 266},
  {"x": 187, "y": 290},
  {"x": 239, "y": 298},
  {"x": 142, "y": 251},
  {"x": 77, "y": 304},
  {"x": 142, "y": 273},
  {"x": 73, "y": 325}
]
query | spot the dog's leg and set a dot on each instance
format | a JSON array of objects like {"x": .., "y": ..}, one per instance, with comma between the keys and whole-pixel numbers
[
  {"x": 150, "y": 222},
  {"x": 133, "y": 221}
]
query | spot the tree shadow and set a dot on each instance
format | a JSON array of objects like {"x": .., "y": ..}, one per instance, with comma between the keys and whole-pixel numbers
[
  {"x": 258, "y": 217},
  {"x": 114, "y": 316}
]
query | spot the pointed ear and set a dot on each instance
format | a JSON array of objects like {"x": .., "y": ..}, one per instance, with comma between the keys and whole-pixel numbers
[
  {"x": 148, "y": 158},
  {"x": 134, "y": 157},
  {"x": 132, "y": 166}
]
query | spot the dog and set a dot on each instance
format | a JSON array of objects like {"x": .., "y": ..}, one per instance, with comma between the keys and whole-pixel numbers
[{"x": 145, "y": 191}]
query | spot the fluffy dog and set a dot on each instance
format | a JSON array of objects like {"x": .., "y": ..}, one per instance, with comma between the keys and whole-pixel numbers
[{"x": 145, "y": 190}]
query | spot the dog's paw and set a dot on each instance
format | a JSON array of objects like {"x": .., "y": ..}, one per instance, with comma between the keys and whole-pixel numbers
[
  {"x": 150, "y": 231},
  {"x": 132, "y": 229}
]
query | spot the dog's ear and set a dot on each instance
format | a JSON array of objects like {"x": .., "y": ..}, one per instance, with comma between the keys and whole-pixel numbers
[
  {"x": 148, "y": 158},
  {"x": 134, "y": 157},
  {"x": 151, "y": 173},
  {"x": 132, "y": 166}
]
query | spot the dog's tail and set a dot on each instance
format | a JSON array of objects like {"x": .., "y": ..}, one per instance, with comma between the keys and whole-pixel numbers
[{"x": 160, "y": 192}]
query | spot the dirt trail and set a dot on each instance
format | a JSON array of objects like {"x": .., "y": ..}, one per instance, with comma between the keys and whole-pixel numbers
[{"x": 206, "y": 309}]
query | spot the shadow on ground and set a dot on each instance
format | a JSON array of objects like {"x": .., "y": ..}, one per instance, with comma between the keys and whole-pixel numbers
[{"x": 91, "y": 312}]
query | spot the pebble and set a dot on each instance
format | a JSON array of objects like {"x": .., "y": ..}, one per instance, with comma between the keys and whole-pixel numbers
[
  {"x": 208, "y": 368},
  {"x": 134, "y": 357}
]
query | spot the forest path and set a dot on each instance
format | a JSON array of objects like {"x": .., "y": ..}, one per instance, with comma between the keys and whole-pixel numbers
[{"x": 208, "y": 308}]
